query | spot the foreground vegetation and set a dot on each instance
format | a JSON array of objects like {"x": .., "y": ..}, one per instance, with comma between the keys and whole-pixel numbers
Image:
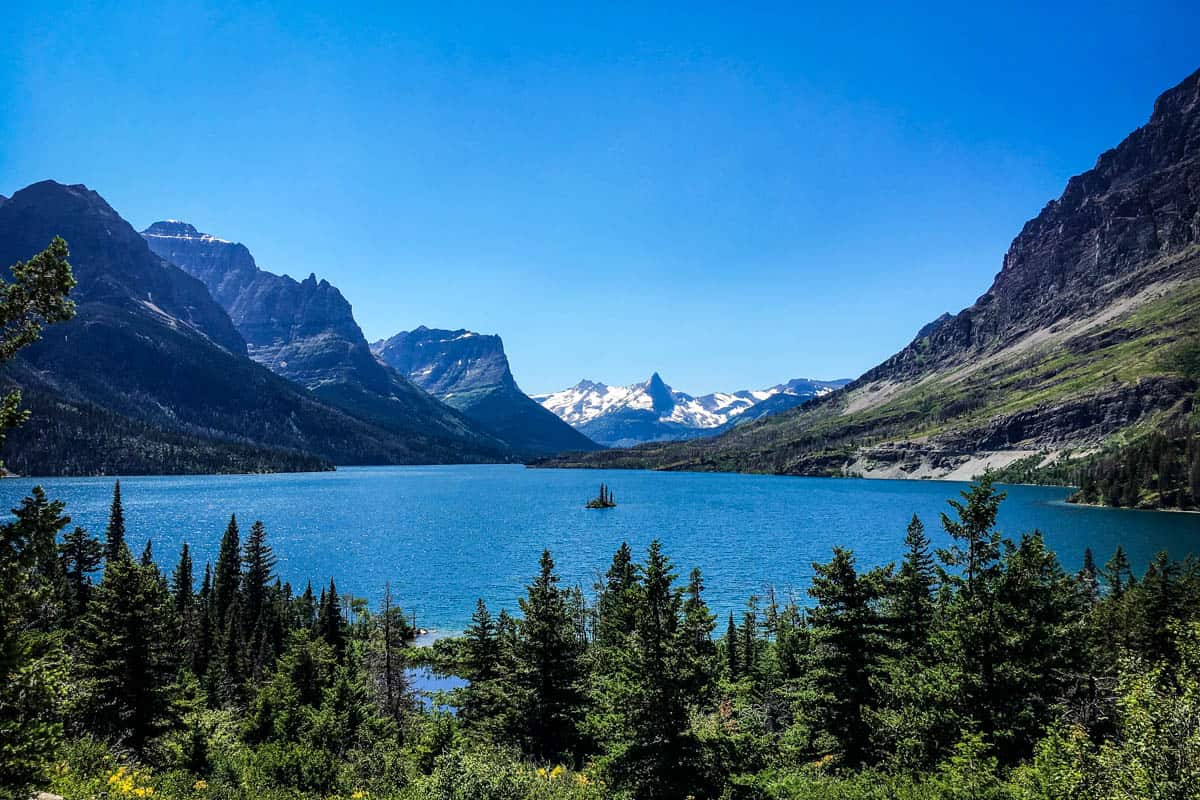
[{"x": 980, "y": 671}]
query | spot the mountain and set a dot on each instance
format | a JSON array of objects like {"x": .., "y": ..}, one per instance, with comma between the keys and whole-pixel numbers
[
  {"x": 651, "y": 411},
  {"x": 153, "y": 377},
  {"x": 470, "y": 372},
  {"x": 1083, "y": 353},
  {"x": 306, "y": 332}
]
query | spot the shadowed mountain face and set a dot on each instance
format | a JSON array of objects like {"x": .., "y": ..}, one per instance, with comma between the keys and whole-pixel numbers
[
  {"x": 470, "y": 372},
  {"x": 651, "y": 411},
  {"x": 1089, "y": 336},
  {"x": 152, "y": 376},
  {"x": 306, "y": 332}
]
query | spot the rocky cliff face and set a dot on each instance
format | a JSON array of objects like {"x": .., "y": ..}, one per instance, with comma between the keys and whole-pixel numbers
[
  {"x": 1089, "y": 336},
  {"x": 470, "y": 372},
  {"x": 152, "y": 376},
  {"x": 1111, "y": 233},
  {"x": 306, "y": 332}
]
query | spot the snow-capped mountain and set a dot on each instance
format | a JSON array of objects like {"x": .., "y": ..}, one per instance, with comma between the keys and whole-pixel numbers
[{"x": 621, "y": 416}]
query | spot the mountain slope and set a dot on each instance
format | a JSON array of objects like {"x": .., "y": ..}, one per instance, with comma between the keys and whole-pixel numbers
[
  {"x": 470, "y": 372},
  {"x": 306, "y": 332},
  {"x": 1089, "y": 337},
  {"x": 151, "y": 375},
  {"x": 650, "y": 411}
]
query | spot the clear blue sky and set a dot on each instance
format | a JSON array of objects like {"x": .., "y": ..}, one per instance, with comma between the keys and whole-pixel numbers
[{"x": 730, "y": 197}]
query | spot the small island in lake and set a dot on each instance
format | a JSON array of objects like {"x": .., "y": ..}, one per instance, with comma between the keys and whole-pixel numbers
[{"x": 603, "y": 500}]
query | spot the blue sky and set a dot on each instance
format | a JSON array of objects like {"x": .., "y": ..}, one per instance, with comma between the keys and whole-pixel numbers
[{"x": 730, "y": 197}]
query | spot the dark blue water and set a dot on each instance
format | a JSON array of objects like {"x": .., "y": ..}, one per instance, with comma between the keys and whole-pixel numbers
[{"x": 444, "y": 536}]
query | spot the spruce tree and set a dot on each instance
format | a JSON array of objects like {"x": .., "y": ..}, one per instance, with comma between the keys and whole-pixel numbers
[
  {"x": 977, "y": 543},
  {"x": 183, "y": 588},
  {"x": 732, "y": 644},
  {"x": 204, "y": 642},
  {"x": 651, "y": 752},
  {"x": 549, "y": 675},
  {"x": 910, "y": 607},
  {"x": 483, "y": 697},
  {"x": 81, "y": 556},
  {"x": 127, "y": 654},
  {"x": 227, "y": 576},
  {"x": 617, "y": 600},
  {"x": 259, "y": 565},
  {"x": 114, "y": 534},
  {"x": 846, "y": 650},
  {"x": 697, "y": 651},
  {"x": 331, "y": 626}
]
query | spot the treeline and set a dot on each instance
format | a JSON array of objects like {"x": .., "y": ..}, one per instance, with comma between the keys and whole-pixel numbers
[
  {"x": 1158, "y": 470},
  {"x": 982, "y": 670}
]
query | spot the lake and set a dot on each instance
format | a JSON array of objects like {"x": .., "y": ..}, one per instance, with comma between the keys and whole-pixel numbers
[{"x": 446, "y": 535}]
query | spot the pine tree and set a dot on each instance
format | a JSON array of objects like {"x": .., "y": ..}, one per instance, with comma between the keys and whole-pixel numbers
[
  {"x": 1117, "y": 574},
  {"x": 1089, "y": 576},
  {"x": 204, "y": 640},
  {"x": 227, "y": 576},
  {"x": 259, "y": 566},
  {"x": 127, "y": 652},
  {"x": 617, "y": 600},
  {"x": 910, "y": 606},
  {"x": 147, "y": 554},
  {"x": 307, "y": 607},
  {"x": 978, "y": 544},
  {"x": 183, "y": 588},
  {"x": 732, "y": 644},
  {"x": 549, "y": 674},
  {"x": 697, "y": 651},
  {"x": 331, "y": 626},
  {"x": 483, "y": 697},
  {"x": 114, "y": 535},
  {"x": 81, "y": 556},
  {"x": 846, "y": 652},
  {"x": 651, "y": 753}
]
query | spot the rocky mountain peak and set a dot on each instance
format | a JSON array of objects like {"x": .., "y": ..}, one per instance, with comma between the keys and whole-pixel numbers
[{"x": 111, "y": 262}]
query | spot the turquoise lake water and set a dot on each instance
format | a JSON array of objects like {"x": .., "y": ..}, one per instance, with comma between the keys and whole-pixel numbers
[{"x": 446, "y": 535}]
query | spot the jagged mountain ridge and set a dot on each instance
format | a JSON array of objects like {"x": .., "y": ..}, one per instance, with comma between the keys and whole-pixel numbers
[
  {"x": 621, "y": 416},
  {"x": 1088, "y": 336},
  {"x": 306, "y": 332},
  {"x": 470, "y": 371},
  {"x": 152, "y": 376}
]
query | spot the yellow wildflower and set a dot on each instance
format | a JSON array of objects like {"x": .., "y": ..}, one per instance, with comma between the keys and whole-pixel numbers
[
  {"x": 541, "y": 772},
  {"x": 557, "y": 772},
  {"x": 200, "y": 785},
  {"x": 358, "y": 794}
]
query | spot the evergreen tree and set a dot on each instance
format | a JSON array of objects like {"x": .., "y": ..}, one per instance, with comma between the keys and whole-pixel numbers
[
  {"x": 846, "y": 649},
  {"x": 652, "y": 754},
  {"x": 147, "y": 558},
  {"x": 204, "y": 640},
  {"x": 483, "y": 697},
  {"x": 81, "y": 556},
  {"x": 697, "y": 651},
  {"x": 1089, "y": 576},
  {"x": 307, "y": 607},
  {"x": 732, "y": 644},
  {"x": 114, "y": 534},
  {"x": 617, "y": 600},
  {"x": 331, "y": 626},
  {"x": 910, "y": 607},
  {"x": 977, "y": 543},
  {"x": 259, "y": 565},
  {"x": 127, "y": 652},
  {"x": 183, "y": 588},
  {"x": 227, "y": 576},
  {"x": 388, "y": 634},
  {"x": 1117, "y": 574},
  {"x": 549, "y": 674}
]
